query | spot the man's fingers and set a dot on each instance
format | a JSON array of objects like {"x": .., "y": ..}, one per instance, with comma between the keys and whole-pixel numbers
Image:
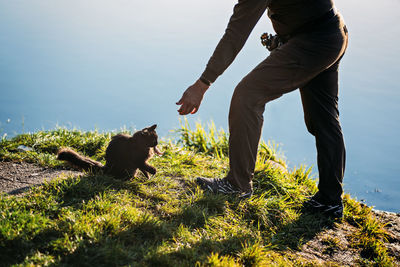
[
  {"x": 195, "y": 109},
  {"x": 187, "y": 108},
  {"x": 180, "y": 102},
  {"x": 184, "y": 109}
]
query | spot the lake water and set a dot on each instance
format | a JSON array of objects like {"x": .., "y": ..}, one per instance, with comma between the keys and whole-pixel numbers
[{"x": 108, "y": 64}]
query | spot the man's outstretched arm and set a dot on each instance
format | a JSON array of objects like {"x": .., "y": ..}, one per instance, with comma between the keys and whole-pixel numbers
[{"x": 246, "y": 14}]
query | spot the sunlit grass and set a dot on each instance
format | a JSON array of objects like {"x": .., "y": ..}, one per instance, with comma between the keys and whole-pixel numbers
[{"x": 167, "y": 220}]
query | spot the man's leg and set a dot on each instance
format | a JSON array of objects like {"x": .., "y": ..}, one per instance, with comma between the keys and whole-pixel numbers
[
  {"x": 245, "y": 124},
  {"x": 287, "y": 68},
  {"x": 321, "y": 114}
]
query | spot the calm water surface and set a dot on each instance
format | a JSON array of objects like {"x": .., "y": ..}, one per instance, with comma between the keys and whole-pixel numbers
[{"x": 109, "y": 64}]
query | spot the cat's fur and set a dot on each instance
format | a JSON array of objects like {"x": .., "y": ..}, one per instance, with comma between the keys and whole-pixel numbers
[{"x": 124, "y": 155}]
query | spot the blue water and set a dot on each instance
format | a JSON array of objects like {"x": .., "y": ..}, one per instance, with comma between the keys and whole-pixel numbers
[{"x": 108, "y": 64}]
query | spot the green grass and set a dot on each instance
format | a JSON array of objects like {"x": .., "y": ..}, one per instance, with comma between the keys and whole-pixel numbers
[{"x": 167, "y": 220}]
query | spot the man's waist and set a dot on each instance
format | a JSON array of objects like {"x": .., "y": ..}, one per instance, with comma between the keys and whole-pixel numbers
[
  {"x": 326, "y": 23},
  {"x": 318, "y": 23},
  {"x": 298, "y": 14},
  {"x": 323, "y": 23}
]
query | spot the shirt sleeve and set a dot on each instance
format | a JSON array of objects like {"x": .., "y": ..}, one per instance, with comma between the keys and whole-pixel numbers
[{"x": 246, "y": 14}]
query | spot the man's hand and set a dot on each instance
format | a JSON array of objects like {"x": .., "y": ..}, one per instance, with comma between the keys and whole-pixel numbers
[{"x": 192, "y": 97}]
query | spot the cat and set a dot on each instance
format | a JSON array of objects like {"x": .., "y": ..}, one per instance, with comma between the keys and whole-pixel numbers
[{"x": 124, "y": 155}]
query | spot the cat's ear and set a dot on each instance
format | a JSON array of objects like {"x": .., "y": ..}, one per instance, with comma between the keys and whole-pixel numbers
[
  {"x": 152, "y": 128},
  {"x": 144, "y": 131}
]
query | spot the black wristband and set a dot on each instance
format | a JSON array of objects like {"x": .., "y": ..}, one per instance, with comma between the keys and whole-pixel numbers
[{"x": 205, "y": 81}]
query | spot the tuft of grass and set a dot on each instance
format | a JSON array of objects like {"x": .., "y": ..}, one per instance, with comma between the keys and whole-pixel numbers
[
  {"x": 253, "y": 255},
  {"x": 211, "y": 142},
  {"x": 168, "y": 220},
  {"x": 216, "y": 260}
]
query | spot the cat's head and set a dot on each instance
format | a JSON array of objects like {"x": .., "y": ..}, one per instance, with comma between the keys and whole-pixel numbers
[{"x": 147, "y": 136}]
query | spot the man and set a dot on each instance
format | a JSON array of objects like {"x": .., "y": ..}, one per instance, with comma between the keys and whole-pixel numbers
[{"x": 314, "y": 39}]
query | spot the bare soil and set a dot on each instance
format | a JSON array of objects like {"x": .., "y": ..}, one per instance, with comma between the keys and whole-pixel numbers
[
  {"x": 320, "y": 249},
  {"x": 17, "y": 177}
]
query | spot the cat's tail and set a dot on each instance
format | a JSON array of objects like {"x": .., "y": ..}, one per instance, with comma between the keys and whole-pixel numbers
[{"x": 79, "y": 161}]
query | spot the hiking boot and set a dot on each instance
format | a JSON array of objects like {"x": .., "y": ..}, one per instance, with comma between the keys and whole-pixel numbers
[
  {"x": 221, "y": 186},
  {"x": 330, "y": 210}
]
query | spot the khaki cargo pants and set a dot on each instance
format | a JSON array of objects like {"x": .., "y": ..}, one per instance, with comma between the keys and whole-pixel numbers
[{"x": 310, "y": 62}]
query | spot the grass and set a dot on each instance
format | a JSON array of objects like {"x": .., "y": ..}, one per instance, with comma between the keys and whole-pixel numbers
[{"x": 167, "y": 220}]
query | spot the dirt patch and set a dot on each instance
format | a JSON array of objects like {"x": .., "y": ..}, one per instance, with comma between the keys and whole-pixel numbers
[
  {"x": 332, "y": 245},
  {"x": 18, "y": 177},
  {"x": 392, "y": 226}
]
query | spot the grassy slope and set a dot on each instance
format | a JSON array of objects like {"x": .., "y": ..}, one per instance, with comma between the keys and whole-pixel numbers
[{"x": 167, "y": 220}]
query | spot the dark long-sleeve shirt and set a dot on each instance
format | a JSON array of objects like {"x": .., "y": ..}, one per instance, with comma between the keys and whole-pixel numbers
[{"x": 286, "y": 16}]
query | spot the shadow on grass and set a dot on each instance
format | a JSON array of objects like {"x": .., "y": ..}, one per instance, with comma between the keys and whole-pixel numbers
[
  {"x": 136, "y": 242},
  {"x": 136, "y": 248},
  {"x": 297, "y": 233},
  {"x": 15, "y": 251},
  {"x": 198, "y": 252},
  {"x": 195, "y": 215},
  {"x": 71, "y": 192},
  {"x": 142, "y": 242}
]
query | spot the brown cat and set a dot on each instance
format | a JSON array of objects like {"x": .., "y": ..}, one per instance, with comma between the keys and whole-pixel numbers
[{"x": 124, "y": 155}]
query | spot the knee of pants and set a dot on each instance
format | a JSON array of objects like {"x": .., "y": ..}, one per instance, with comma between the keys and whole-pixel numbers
[
  {"x": 249, "y": 99},
  {"x": 245, "y": 98}
]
